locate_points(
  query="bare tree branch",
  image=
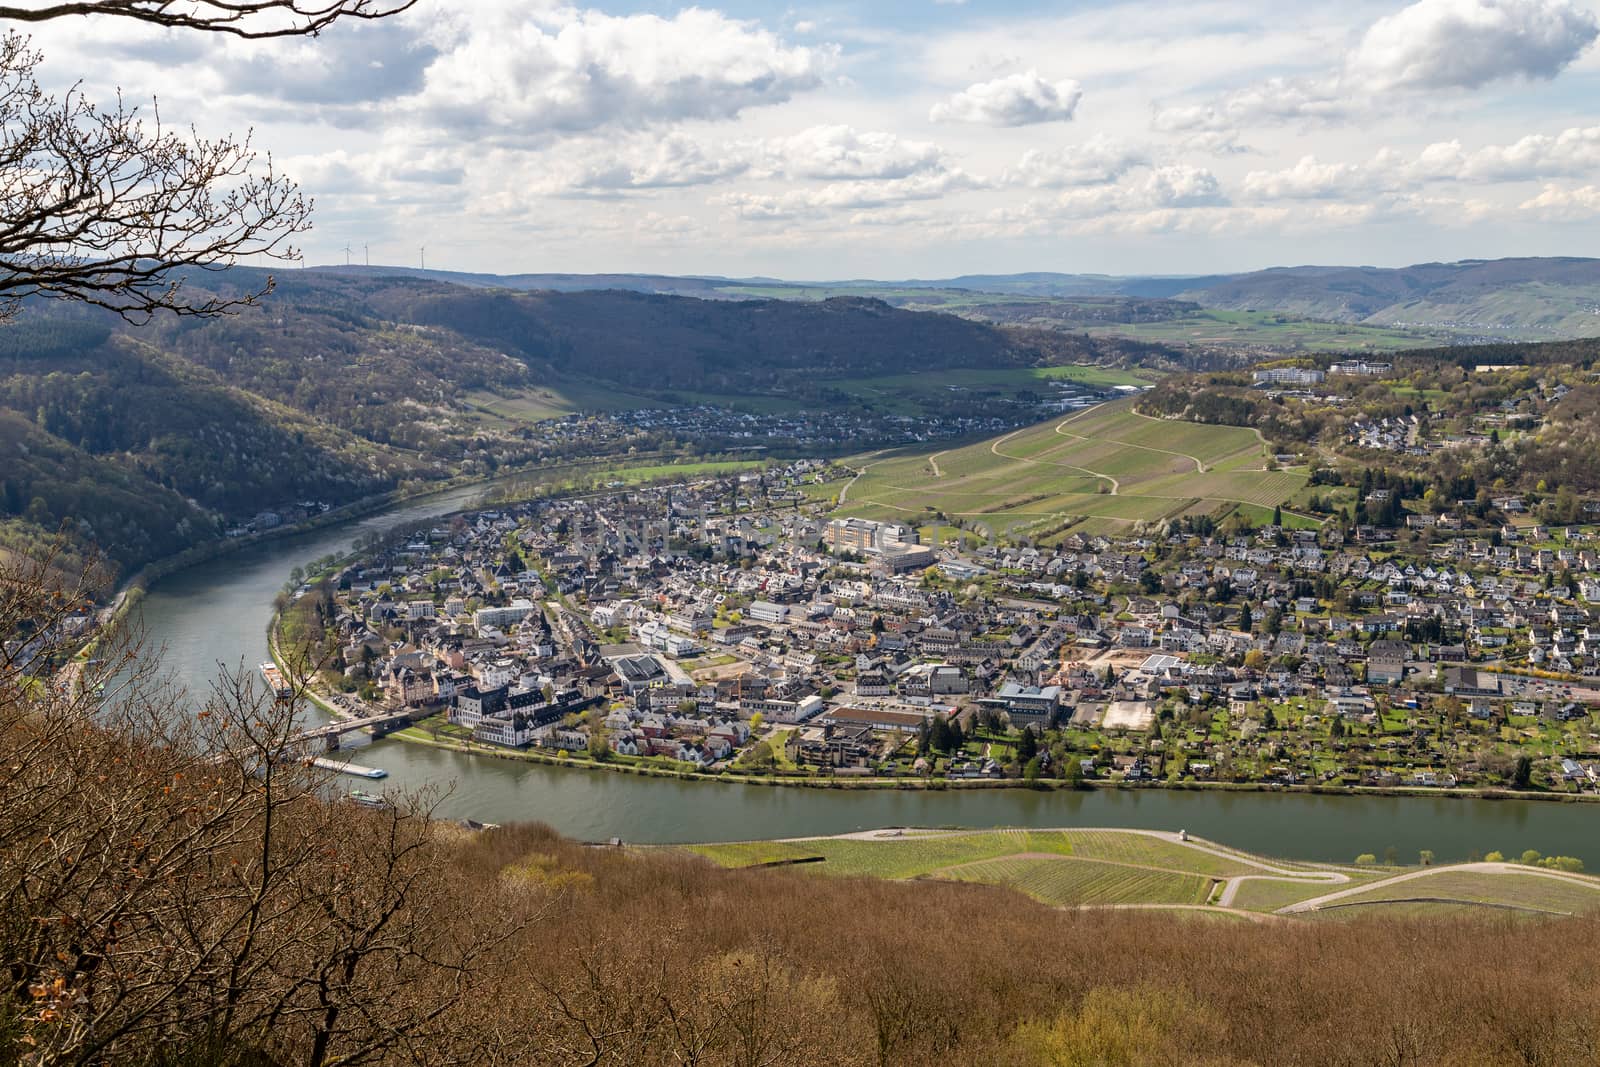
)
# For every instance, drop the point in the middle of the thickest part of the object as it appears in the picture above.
(101, 206)
(252, 19)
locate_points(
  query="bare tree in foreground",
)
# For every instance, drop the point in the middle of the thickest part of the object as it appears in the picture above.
(106, 205)
(242, 18)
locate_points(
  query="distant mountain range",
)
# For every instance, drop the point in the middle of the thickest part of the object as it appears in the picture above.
(1527, 298)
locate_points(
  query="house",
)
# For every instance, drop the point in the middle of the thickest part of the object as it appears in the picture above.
(1386, 662)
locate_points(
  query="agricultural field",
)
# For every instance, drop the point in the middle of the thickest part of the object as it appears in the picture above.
(1079, 882)
(1281, 332)
(1107, 465)
(1096, 868)
(1478, 885)
(910, 856)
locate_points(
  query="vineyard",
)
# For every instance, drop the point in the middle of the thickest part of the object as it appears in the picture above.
(1099, 470)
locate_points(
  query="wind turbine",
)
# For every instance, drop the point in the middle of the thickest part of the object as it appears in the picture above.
(366, 254)
(423, 253)
(347, 253)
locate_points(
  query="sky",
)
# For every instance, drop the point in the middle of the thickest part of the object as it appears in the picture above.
(904, 138)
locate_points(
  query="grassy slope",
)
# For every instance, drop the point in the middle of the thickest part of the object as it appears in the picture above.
(1108, 464)
(1533, 891)
(1079, 882)
(1116, 867)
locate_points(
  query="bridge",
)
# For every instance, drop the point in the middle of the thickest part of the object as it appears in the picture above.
(332, 731)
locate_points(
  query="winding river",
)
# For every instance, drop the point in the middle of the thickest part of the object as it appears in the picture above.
(217, 613)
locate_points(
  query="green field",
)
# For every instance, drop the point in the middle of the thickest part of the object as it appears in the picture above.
(1518, 890)
(1090, 868)
(1108, 464)
(1079, 882)
(1284, 332)
(910, 856)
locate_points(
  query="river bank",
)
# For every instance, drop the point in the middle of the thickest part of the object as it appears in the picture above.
(414, 735)
(218, 614)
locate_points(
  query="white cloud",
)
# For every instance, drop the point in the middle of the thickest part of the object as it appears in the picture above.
(1272, 102)
(1098, 160)
(1572, 153)
(1558, 205)
(1175, 186)
(673, 161)
(1016, 100)
(1465, 44)
(520, 76)
(842, 152)
(1431, 45)
(1308, 179)
(848, 196)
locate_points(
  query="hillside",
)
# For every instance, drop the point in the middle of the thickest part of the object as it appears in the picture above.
(148, 440)
(1100, 471)
(1474, 301)
(1507, 298)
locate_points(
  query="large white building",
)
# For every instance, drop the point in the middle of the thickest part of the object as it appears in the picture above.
(509, 615)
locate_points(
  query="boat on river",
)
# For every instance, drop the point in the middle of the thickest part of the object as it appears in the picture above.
(275, 681)
(367, 800)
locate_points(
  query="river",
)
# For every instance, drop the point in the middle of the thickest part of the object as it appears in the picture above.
(217, 613)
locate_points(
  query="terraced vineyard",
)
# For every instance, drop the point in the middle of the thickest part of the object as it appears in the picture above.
(1077, 882)
(1528, 891)
(1100, 470)
(1144, 850)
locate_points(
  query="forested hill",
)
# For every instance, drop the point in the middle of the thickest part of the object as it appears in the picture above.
(146, 440)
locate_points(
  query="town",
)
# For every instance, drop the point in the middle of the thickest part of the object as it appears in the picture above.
(737, 626)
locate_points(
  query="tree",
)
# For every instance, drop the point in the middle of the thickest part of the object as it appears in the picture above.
(1426, 857)
(1027, 745)
(1522, 776)
(150, 846)
(104, 206)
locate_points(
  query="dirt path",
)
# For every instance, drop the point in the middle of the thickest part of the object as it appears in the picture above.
(845, 492)
(1489, 868)
(1116, 486)
(1200, 468)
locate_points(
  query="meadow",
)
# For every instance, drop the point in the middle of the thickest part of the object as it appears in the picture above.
(1106, 468)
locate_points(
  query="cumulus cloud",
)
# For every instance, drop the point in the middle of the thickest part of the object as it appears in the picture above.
(1308, 179)
(1557, 204)
(1272, 102)
(1016, 100)
(1429, 46)
(1572, 153)
(673, 161)
(843, 152)
(520, 76)
(848, 196)
(1464, 44)
(1098, 160)
(1173, 187)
